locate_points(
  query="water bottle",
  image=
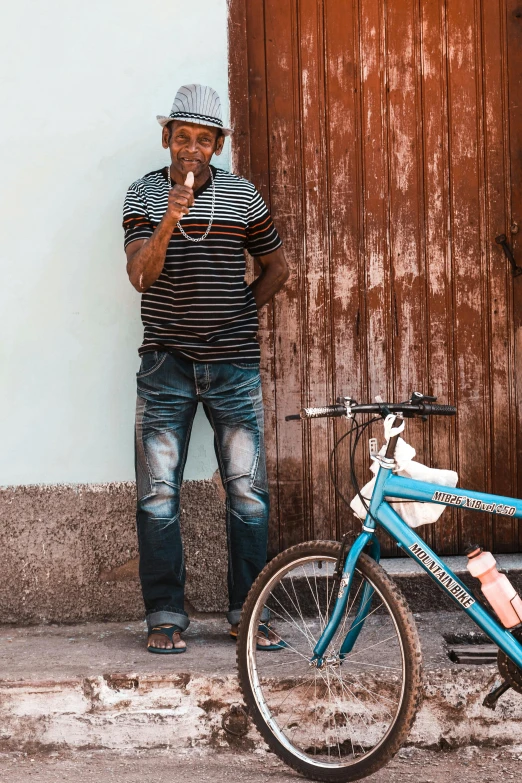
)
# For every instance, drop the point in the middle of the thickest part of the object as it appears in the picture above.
(497, 588)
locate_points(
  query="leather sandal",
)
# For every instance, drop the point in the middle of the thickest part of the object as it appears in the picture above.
(264, 629)
(170, 632)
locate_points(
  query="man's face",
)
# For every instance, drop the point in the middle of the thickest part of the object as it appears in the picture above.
(191, 146)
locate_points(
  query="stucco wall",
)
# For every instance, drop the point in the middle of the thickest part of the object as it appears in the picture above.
(70, 551)
(82, 85)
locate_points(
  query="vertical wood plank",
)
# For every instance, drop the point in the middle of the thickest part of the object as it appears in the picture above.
(283, 119)
(468, 260)
(316, 336)
(405, 210)
(257, 98)
(513, 227)
(343, 121)
(406, 204)
(499, 311)
(374, 196)
(378, 323)
(439, 336)
(259, 173)
(238, 48)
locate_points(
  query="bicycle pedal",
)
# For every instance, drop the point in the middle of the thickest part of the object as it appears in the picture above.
(494, 695)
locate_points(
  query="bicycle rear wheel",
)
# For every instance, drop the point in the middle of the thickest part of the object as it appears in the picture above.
(346, 720)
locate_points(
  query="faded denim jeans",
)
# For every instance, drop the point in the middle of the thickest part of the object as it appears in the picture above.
(169, 389)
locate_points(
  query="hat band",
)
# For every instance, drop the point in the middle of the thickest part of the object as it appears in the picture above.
(185, 114)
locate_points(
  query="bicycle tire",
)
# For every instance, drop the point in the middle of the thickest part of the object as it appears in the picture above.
(412, 663)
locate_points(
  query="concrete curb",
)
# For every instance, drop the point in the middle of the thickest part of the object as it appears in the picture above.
(94, 685)
(120, 711)
(183, 710)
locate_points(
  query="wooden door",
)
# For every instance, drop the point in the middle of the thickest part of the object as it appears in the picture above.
(387, 140)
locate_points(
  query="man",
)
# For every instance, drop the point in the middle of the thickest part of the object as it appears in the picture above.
(186, 229)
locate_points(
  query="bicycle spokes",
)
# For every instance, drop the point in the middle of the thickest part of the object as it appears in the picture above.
(340, 708)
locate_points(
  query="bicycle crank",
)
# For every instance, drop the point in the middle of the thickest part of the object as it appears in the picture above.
(509, 670)
(510, 673)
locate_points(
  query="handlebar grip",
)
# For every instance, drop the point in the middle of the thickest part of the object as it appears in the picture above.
(440, 410)
(326, 411)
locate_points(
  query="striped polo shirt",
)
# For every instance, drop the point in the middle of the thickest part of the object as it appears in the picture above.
(201, 306)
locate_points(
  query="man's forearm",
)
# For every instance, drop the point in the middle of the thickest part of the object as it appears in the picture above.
(269, 282)
(146, 264)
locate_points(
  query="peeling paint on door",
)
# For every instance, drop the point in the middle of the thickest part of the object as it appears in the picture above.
(387, 139)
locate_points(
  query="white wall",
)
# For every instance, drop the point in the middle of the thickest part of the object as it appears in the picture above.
(82, 84)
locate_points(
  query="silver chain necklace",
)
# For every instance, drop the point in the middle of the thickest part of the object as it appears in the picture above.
(205, 235)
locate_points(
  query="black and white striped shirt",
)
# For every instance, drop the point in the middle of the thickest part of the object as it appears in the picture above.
(200, 306)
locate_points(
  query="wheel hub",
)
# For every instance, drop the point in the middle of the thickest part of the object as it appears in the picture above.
(332, 662)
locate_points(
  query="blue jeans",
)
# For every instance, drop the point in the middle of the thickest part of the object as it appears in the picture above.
(169, 389)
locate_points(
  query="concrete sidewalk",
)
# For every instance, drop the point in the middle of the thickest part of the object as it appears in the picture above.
(95, 686)
(469, 765)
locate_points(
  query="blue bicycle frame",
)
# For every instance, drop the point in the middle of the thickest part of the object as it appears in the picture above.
(389, 485)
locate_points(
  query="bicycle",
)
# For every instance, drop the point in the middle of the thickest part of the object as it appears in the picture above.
(339, 698)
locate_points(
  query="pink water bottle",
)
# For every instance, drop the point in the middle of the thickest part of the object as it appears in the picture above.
(497, 588)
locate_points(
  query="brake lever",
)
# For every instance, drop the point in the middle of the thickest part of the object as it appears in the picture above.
(384, 409)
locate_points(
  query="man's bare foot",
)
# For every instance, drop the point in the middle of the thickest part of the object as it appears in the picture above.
(262, 640)
(163, 642)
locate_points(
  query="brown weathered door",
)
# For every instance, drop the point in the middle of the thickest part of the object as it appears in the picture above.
(387, 139)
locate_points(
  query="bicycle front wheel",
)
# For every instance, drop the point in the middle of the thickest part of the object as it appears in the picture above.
(345, 720)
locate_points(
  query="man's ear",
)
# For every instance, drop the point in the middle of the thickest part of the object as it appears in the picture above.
(165, 137)
(219, 145)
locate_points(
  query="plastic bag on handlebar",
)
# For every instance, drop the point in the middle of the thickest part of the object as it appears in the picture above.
(414, 513)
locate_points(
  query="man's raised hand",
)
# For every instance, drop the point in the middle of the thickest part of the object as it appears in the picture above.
(181, 198)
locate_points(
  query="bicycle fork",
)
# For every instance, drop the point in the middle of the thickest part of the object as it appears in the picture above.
(364, 539)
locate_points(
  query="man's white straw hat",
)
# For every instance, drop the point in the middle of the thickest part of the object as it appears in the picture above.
(198, 104)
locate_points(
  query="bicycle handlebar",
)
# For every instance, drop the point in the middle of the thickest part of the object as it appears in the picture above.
(407, 408)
